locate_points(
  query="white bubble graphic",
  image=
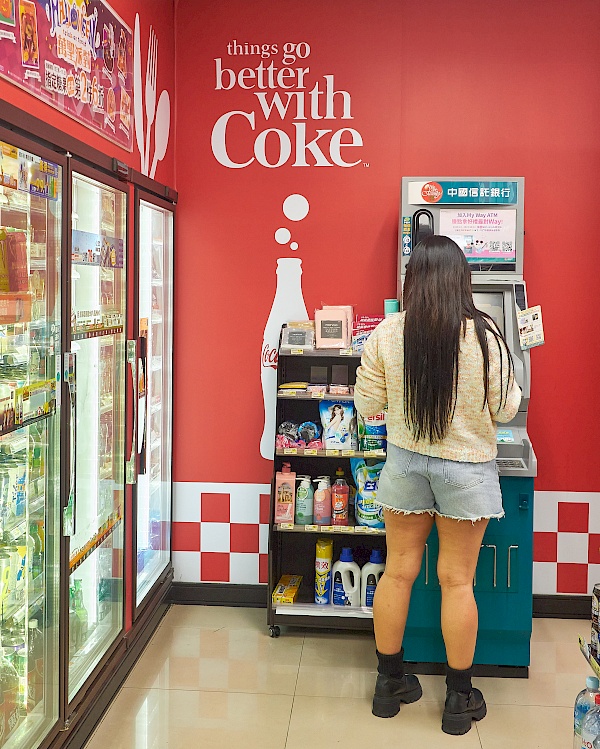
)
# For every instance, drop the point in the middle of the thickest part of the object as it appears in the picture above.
(294, 246)
(295, 207)
(283, 236)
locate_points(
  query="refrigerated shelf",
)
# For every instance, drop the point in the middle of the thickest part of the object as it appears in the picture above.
(79, 335)
(363, 530)
(82, 554)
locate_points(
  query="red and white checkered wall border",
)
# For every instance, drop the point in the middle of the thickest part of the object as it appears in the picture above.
(566, 542)
(221, 533)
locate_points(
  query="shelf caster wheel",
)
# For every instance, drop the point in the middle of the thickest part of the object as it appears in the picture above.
(274, 631)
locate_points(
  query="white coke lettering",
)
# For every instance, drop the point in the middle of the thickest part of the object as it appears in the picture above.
(269, 357)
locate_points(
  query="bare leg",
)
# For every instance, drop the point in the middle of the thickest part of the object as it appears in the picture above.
(460, 541)
(405, 539)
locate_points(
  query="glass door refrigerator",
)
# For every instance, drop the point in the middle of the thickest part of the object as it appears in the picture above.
(154, 314)
(95, 369)
(31, 238)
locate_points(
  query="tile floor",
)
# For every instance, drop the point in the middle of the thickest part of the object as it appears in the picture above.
(212, 677)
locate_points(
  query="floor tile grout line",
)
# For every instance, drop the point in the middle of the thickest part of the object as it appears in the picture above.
(287, 733)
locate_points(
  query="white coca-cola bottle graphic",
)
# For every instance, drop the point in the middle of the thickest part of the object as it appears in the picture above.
(288, 305)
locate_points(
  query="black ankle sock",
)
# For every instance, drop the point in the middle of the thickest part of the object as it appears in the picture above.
(459, 681)
(391, 665)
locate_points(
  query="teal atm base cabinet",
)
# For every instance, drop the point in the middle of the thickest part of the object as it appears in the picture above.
(503, 589)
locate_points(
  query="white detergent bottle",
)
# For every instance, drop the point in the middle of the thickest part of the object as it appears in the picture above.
(369, 577)
(346, 580)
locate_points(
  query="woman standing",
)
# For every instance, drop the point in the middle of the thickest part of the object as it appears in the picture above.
(446, 374)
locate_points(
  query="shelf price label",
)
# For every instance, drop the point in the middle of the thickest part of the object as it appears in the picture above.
(346, 351)
(374, 453)
(297, 351)
(361, 529)
(310, 451)
(290, 451)
(286, 526)
(332, 453)
(311, 528)
(346, 529)
(318, 394)
(349, 453)
(327, 528)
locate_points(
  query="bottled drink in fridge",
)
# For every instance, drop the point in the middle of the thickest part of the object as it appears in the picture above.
(74, 626)
(19, 661)
(590, 729)
(288, 305)
(35, 664)
(37, 559)
(81, 611)
(4, 577)
(9, 686)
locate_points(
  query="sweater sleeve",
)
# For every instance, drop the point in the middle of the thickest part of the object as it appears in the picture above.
(500, 384)
(370, 392)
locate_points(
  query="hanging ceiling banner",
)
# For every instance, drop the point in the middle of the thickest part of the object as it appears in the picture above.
(75, 55)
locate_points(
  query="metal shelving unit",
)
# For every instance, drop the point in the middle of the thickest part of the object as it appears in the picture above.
(292, 547)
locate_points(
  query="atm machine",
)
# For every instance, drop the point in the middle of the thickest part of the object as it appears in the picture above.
(484, 216)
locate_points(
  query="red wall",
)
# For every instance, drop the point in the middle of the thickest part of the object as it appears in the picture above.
(462, 88)
(158, 13)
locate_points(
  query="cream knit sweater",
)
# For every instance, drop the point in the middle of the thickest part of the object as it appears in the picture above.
(472, 433)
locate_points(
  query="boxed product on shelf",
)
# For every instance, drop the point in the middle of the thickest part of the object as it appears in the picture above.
(286, 590)
(14, 268)
(15, 307)
(332, 329)
(298, 335)
(364, 325)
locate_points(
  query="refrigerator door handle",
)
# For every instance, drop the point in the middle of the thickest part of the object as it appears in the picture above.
(142, 403)
(69, 376)
(130, 471)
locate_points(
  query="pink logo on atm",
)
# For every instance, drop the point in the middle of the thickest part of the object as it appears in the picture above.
(432, 192)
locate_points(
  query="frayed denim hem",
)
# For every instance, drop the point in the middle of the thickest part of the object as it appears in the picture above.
(432, 512)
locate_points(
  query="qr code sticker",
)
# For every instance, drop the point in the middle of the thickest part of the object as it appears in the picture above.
(507, 246)
(494, 246)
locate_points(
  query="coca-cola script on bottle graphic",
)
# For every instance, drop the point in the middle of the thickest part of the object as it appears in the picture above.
(288, 305)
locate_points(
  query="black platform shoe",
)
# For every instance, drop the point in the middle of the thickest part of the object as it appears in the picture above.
(391, 692)
(461, 709)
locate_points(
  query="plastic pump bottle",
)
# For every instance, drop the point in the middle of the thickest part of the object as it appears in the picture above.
(583, 703)
(322, 501)
(346, 580)
(304, 502)
(370, 576)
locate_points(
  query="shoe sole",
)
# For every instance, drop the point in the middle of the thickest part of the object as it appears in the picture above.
(457, 725)
(387, 707)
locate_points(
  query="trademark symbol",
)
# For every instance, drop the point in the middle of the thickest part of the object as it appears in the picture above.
(366, 164)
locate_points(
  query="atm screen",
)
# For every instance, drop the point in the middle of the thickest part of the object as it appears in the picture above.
(492, 303)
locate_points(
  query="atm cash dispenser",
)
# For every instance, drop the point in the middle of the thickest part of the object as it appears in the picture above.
(484, 216)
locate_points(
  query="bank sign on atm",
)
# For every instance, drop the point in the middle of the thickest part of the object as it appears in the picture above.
(462, 192)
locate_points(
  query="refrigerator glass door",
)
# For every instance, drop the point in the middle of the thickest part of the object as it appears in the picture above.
(155, 395)
(95, 510)
(30, 365)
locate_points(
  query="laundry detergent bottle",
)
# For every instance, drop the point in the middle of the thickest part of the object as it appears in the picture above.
(322, 501)
(370, 576)
(303, 514)
(346, 580)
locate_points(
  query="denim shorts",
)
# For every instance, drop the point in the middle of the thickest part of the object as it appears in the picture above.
(414, 483)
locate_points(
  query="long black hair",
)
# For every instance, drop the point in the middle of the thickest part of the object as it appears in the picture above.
(438, 300)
